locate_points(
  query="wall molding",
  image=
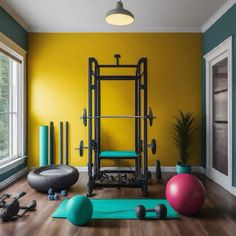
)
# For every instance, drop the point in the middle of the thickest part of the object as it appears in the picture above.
(12, 164)
(195, 169)
(13, 178)
(217, 15)
(143, 29)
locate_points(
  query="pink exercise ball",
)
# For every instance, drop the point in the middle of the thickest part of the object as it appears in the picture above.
(185, 193)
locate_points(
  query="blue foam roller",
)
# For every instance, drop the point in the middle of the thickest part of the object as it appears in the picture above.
(43, 145)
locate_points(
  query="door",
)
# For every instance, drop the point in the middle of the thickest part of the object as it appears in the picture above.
(219, 115)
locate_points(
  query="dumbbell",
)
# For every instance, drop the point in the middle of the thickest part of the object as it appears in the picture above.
(55, 196)
(52, 197)
(64, 193)
(160, 209)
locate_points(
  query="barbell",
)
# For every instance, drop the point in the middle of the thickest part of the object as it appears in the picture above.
(150, 117)
(81, 147)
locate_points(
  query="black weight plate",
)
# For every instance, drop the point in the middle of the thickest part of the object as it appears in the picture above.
(150, 116)
(85, 117)
(153, 146)
(81, 148)
(161, 211)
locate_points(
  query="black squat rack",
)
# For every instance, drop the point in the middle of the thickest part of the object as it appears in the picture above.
(93, 117)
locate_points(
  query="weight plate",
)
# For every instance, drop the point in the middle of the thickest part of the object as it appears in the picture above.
(85, 117)
(81, 148)
(150, 116)
(153, 146)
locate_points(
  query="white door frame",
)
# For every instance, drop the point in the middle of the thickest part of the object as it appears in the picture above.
(223, 50)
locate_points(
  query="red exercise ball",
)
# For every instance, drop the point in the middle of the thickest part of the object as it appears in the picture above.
(185, 193)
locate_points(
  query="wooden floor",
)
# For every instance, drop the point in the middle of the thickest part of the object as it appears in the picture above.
(218, 216)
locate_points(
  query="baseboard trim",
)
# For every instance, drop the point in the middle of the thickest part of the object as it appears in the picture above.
(13, 178)
(195, 169)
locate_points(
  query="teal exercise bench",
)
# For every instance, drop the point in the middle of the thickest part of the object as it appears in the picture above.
(118, 155)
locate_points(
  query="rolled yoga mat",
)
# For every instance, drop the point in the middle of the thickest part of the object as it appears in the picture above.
(119, 209)
(43, 145)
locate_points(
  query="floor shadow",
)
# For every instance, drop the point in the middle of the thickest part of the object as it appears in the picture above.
(216, 213)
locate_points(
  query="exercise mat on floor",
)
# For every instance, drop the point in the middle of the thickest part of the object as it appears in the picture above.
(119, 208)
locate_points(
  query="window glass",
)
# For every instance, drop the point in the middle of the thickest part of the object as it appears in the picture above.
(10, 125)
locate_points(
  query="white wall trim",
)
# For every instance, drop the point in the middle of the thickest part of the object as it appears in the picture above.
(12, 164)
(195, 169)
(13, 178)
(143, 29)
(216, 16)
(219, 49)
(223, 50)
(13, 14)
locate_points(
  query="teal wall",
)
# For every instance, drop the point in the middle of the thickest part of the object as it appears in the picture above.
(217, 33)
(19, 35)
(12, 29)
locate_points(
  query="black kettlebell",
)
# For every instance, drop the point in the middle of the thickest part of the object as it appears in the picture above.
(9, 209)
(160, 209)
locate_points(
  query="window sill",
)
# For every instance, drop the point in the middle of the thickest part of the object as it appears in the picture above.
(12, 164)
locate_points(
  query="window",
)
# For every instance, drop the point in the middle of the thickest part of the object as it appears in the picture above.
(11, 105)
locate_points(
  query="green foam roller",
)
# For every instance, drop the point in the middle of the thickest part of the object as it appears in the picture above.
(43, 145)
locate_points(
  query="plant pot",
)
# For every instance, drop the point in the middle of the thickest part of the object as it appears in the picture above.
(186, 169)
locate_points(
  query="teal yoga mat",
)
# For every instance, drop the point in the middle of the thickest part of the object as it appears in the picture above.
(43, 145)
(118, 208)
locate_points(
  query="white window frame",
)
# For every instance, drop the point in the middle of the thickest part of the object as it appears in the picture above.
(13, 161)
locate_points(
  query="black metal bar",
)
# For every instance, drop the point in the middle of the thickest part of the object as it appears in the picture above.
(136, 122)
(51, 147)
(61, 142)
(67, 144)
(117, 66)
(117, 57)
(118, 171)
(96, 114)
(90, 130)
(122, 185)
(117, 158)
(117, 77)
(118, 116)
(145, 108)
(99, 120)
(139, 128)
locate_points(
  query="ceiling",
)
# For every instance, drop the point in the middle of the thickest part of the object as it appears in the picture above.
(88, 15)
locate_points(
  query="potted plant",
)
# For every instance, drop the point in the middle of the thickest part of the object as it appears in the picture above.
(183, 139)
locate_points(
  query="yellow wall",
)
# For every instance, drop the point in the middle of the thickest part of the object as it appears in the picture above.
(57, 87)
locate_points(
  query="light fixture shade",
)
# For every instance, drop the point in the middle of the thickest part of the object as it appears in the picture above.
(119, 16)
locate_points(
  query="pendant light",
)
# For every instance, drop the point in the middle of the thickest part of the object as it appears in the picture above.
(119, 15)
